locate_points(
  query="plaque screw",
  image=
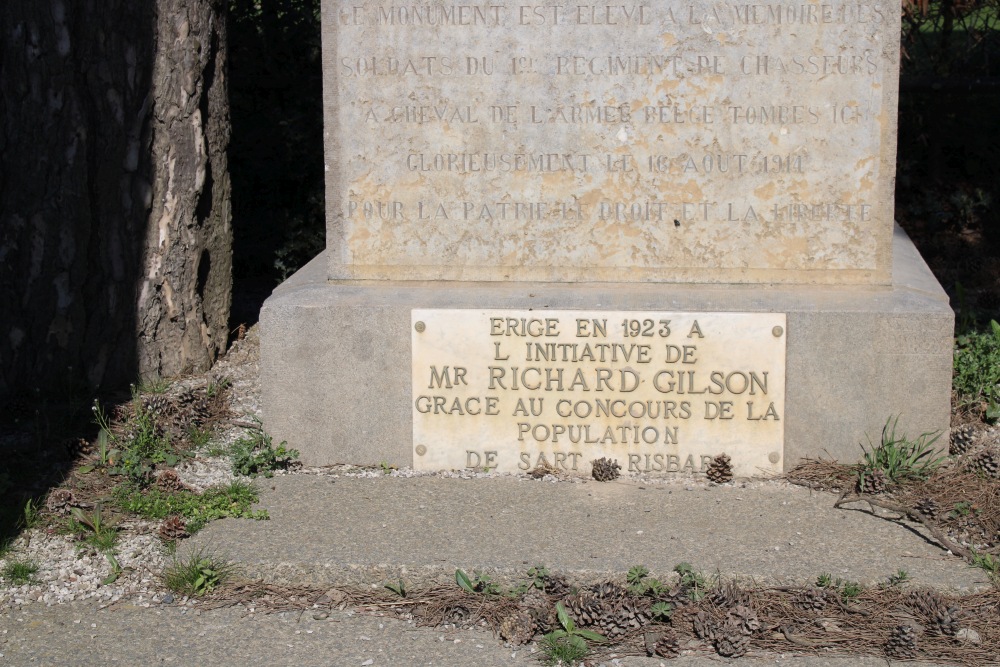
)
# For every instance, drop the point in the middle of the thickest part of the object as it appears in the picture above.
(421, 450)
(420, 327)
(777, 331)
(774, 457)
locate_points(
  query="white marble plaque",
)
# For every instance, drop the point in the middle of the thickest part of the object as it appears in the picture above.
(660, 392)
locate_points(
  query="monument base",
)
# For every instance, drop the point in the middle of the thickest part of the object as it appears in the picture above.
(336, 355)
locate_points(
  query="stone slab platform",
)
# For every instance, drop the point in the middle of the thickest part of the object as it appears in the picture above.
(85, 635)
(336, 358)
(362, 531)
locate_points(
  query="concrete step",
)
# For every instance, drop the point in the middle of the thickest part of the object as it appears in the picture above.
(330, 530)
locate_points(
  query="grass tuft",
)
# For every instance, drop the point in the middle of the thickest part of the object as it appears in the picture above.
(19, 572)
(234, 500)
(198, 574)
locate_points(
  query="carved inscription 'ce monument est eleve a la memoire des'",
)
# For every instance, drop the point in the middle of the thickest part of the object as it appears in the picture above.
(694, 141)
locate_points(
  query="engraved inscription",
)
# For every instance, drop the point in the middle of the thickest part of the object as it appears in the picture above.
(661, 392)
(628, 141)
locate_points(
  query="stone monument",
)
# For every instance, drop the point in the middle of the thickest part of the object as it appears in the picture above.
(653, 231)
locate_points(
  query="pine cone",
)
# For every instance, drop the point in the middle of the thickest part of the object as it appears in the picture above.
(731, 641)
(932, 608)
(458, 614)
(76, 447)
(605, 470)
(585, 607)
(676, 596)
(173, 529)
(185, 398)
(720, 470)
(728, 595)
(667, 646)
(201, 411)
(873, 482)
(168, 480)
(986, 463)
(61, 501)
(928, 507)
(744, 618)
(608, 590)
(543, 469)
(811, 599)
(518, 628)
(621, 617)
(704, 626)
(157, 405)
(542, 611)
(556, 584)
(902, 642)
(962, 439)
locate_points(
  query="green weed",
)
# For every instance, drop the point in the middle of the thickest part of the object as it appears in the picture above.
(233, 500)
(898, 579)
(568, 644)
(989, 564)
(977, 370)
(134, 454)
(478, 583)
(848, 590)
(692, 580)
(217, 386)
(31, 515)
(93, 529)
(197, 575)
(639, 582)
(153, 384)
(962, 508)
(899, 458)
(255, 455)
(200, 438)
(397, 588)
(19, 572)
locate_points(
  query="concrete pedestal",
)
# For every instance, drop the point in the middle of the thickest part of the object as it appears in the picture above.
(335, 355)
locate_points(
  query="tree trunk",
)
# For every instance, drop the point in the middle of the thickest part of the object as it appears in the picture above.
(186, 287)
(115, 248)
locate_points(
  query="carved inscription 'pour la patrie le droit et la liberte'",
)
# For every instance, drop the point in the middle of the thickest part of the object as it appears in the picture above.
(696, 141)
(660, 392)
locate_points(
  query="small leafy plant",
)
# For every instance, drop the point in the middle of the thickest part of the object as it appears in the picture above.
(898, 579)
(397, 588)
(134, 453)
(989, 564)
(255, 454)
(692, 580)
(197, 575)
(233, 500)
(899, 458)
(640, 583)
(31, 515)
(977, 370)
(962, 508)
(568, 644)
(478, 583)
(93, 529)
(19, 572)
(848, 590)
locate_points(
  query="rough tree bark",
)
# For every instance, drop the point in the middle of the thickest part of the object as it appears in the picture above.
(115, 239)
(186, 291)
